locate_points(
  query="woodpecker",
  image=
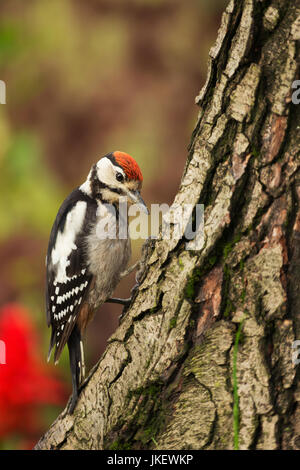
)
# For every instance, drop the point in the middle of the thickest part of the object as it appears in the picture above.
(83, 269)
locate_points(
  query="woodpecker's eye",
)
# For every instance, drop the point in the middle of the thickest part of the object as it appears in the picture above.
(119, 177)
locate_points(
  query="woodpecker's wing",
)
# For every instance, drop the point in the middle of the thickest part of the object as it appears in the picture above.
(68, 276)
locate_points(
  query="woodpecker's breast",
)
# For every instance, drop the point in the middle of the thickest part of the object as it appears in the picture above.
(107, 257)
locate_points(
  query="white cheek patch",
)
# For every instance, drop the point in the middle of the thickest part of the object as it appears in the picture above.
(106, 172)
(65, 241)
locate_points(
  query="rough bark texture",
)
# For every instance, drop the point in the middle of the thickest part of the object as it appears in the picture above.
(171, 373)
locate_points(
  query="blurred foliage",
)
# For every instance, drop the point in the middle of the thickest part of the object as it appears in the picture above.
(26, 188)
(84, 78)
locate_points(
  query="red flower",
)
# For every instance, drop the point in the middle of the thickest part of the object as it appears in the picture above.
(26, 381)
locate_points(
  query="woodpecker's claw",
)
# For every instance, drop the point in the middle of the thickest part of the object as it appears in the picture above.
(124, 302)
(116, 300)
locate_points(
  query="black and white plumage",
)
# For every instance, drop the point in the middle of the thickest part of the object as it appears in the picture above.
(83, 269)
(68, 276)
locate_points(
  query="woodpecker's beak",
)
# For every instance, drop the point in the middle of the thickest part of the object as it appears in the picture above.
(136, 198)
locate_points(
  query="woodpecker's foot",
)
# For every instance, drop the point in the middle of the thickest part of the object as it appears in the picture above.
(125, 302)
(116, 300)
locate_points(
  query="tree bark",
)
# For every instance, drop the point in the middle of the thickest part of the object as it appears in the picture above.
(203, 356)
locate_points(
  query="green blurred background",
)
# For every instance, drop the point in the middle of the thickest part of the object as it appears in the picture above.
(83, 78)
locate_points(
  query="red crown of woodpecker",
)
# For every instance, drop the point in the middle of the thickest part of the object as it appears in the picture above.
(129, 165)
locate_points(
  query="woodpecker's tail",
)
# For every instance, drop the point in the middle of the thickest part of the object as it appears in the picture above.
(76, 363)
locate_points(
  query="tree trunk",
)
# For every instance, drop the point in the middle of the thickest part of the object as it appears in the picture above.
(203, 356)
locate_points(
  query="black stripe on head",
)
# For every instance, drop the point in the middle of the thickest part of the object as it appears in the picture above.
(97, 185)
